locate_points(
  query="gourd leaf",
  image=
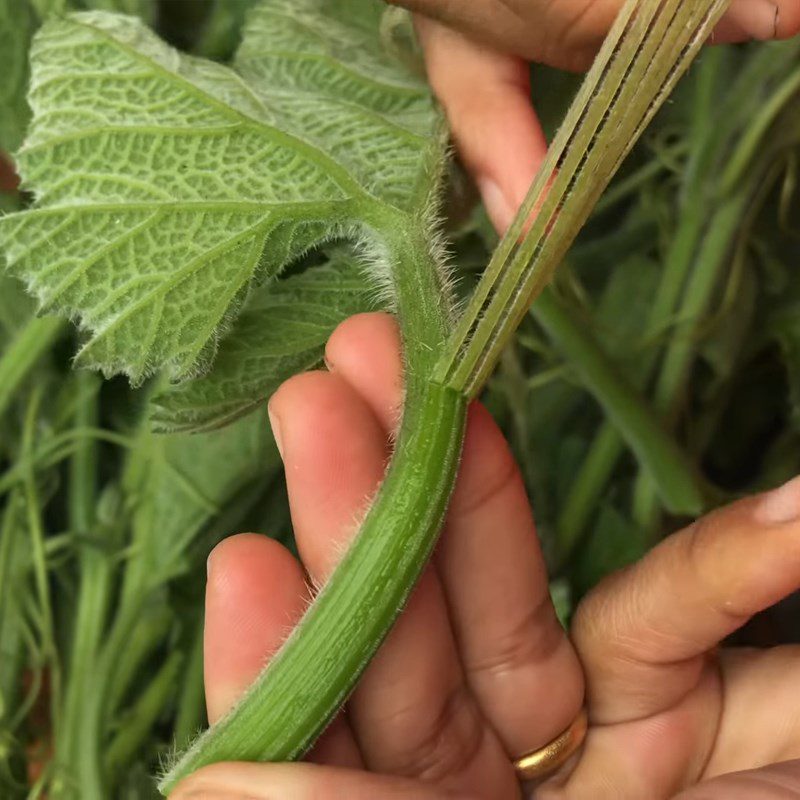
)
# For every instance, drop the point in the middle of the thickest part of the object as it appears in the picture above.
(176, 484)
(282, 331)
(169, 186)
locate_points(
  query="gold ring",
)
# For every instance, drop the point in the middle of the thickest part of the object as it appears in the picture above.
(548, 759)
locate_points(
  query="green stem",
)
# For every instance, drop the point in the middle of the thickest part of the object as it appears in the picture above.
(646, 51)
(714, 256)
(328, 650)
(13, 564)
(312, 674)
(191, 703)
(671, 470)
(136, 725)
(73, 751)
(587, 488)
(24, 352)
(708, 142)
(49, 649)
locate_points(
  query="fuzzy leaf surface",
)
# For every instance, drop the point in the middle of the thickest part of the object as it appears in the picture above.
(168, 186)
(282, 331)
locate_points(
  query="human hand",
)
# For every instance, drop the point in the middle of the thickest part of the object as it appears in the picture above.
(477, 670)
(476, 55)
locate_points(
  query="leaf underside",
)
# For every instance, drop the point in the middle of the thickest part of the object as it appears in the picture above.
(168, 186)
(282, 331)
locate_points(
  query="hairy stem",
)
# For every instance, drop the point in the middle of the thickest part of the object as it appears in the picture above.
(647, 50)
(312, 674)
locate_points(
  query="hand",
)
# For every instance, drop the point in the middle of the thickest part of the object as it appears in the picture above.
(478, 670)
(476, 52)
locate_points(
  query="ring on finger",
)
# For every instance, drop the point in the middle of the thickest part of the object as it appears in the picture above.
(546, 760)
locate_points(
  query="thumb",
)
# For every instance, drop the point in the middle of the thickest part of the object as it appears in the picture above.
(235, 781)
(774, 782)
(486, 96)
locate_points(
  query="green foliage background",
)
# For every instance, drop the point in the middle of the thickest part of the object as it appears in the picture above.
(106, 524)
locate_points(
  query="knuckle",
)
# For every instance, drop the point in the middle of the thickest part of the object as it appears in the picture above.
(447, 744)
(532, 639)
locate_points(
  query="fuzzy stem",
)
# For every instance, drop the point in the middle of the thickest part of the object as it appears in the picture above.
(649, 47)
(315, 670)
(312, 674)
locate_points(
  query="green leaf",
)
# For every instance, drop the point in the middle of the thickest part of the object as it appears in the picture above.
(17, 24)
(614, 543)
(222, 29)
(145, 9)
(168, 185)
(176, 484)
(282, 331)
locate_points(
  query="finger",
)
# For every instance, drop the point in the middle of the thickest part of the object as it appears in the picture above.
(301, 782)
(643, 632)
(761, 700)
(365, 351)
(512, 647)
(774, 782)
(567, 34)
(410, 714)
(759, 19)
(256, 593)
(486, 96)
(518, 660)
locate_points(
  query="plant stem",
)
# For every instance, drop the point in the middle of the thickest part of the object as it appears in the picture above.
(24, 351)
(757, 163)
(710, 142)
(136, 725)
(13, 564)
(73, 751)
(671, 470)
(190, 714)
(632, 75)
(33, 506)
(312, 674)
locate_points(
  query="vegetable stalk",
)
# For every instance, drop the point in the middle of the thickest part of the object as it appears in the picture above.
(312, 674)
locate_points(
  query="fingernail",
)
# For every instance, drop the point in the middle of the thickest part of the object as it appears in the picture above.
(761, 19)
(275, 424)
(212, 794)
(780, 505)
(497, 206)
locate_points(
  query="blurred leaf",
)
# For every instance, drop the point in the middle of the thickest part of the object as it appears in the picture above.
(613, 543)
(222, 29)
(177, 483)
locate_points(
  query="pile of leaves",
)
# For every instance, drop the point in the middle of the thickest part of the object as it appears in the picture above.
(188, 209)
